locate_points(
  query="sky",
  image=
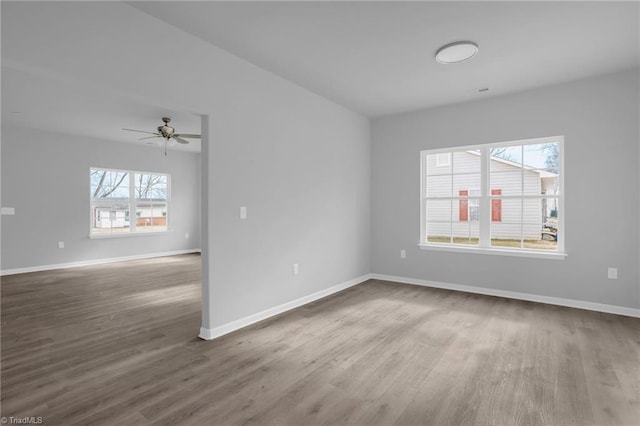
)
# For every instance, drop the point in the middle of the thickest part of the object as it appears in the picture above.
(534, 155)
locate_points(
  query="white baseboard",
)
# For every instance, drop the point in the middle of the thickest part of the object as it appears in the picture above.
(212, 333)
(94, 262)
(590, 306)
(206, 334)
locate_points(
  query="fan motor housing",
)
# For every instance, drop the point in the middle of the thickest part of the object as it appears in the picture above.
(166, 131)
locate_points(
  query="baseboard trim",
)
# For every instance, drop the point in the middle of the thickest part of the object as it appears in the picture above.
(571, 303)
(212, 333)
(94, 262)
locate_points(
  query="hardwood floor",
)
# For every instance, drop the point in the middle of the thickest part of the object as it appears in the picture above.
(117, 345)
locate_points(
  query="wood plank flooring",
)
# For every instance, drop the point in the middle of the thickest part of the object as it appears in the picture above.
(116, 345)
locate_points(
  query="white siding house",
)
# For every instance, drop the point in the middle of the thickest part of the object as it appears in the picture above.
(458, 174)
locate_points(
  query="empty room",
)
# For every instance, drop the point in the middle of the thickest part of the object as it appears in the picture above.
(320, 212)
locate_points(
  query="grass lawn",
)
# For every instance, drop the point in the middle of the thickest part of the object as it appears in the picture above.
(531, 244)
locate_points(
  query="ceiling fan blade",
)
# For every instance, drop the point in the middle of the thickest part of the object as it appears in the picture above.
(149, 137)
(188, 135)
(142, 131)
(179, 139)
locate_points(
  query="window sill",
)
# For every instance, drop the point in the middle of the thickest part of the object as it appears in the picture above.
(127, 234)
(494, 251)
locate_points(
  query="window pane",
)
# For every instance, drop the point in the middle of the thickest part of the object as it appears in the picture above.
(548, 238)
(507, 156)
(468, 182)
(505, 170)
(439, 221)
(439, 186)
(466, 229)
(121, 192)
(466, 162)
(111, 201)
(151, 217)
(509, 182)
(150, 186)
(542, 156)
(532, 182)
(107, 219)
(523, 190)
(506, 232)
(151, 202)
(435, 165)
(109, 184)
(549, 182)
(543, 161)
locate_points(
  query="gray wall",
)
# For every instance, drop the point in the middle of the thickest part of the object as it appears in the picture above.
(300, 163)
(45, 177)
(302, 169)
(599, 119)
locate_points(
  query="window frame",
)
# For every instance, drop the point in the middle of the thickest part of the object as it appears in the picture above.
(132, 232)
(486, 199)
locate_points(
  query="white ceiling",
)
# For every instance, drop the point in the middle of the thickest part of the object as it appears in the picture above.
(59, 105)
(377, 58)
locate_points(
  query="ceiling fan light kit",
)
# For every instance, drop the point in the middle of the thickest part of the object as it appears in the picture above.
(167, 133)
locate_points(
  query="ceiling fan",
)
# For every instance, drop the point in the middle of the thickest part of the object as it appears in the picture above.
(167, 133)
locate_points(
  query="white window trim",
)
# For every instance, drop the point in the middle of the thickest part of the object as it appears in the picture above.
(129, 234)
(132, 232)
(484, 243)
(459, 248)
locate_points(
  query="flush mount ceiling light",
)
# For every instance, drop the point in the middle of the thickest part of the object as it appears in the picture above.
(459, 51)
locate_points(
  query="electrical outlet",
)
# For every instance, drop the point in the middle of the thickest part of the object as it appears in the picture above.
(60, 244)
(243, 212)
(612, 273)
(403, 254)
(186, 235)
(296, 269)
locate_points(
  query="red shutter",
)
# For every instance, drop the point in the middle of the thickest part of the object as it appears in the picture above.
(464, 206)
(496, 206)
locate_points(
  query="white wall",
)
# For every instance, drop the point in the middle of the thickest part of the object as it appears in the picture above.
(300, 163)
(45, 177)
(599, 119)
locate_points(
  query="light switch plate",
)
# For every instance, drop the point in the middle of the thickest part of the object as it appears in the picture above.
(8, 211)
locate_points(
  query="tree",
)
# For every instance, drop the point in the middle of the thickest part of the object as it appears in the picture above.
(552, 150)
(149, 185)
(106, 182)
(502, 153)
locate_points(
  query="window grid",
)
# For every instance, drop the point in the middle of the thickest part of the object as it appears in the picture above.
(128, 209)
(489, 214)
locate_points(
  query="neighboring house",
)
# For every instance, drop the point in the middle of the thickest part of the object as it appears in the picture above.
(107, 218)
(461, 177)
(149, 212)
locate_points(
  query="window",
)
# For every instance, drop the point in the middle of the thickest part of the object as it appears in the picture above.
(115, 194)
(503, 197)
